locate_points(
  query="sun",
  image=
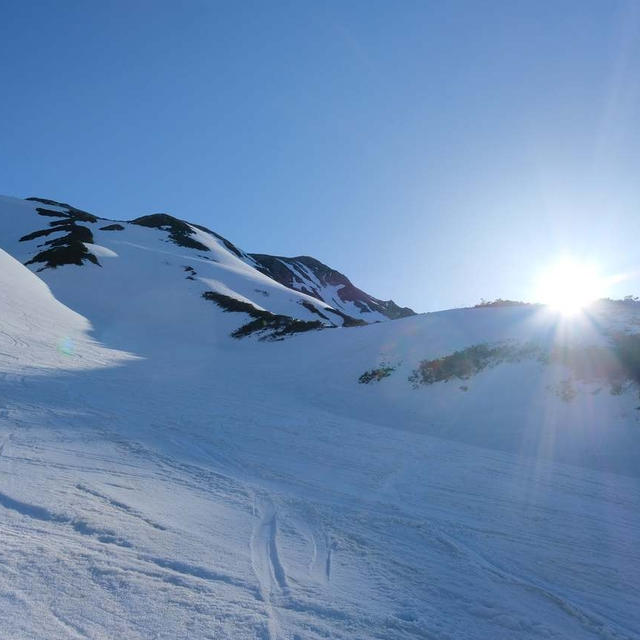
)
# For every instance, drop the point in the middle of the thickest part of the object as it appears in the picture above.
(569, 286)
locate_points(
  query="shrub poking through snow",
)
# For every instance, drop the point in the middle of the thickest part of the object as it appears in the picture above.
(467, 362)
(274, 327)
(626, 348)
(375, 375)
(499, 302)
(277, 327)
(618, 364)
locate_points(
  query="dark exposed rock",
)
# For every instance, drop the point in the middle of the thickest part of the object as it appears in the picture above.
(77, 214)
(347, 320)
(314, 309)
(62, 225)
(224, 241)
(274, 327)
(68, 248)
(70, 253)
(112, 227)
(179, 231)
(53, 203)
(308, 275)
(72, 214)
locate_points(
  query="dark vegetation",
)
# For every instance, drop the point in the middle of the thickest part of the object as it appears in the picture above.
(112, 227)
(179, 231)
(68, 248)
(375, 375)
(618, 363)
(499, 302)
(313, 309)
(275, 327)
(232, 305)
(467, 362)
(278, 326)
(348, 321)
(626, 348)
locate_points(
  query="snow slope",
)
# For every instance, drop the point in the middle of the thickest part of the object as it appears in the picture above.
(159, 479)
(38, 333)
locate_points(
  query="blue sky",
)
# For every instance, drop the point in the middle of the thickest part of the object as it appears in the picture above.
(435, 152)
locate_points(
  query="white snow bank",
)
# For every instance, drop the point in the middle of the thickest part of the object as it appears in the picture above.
(99, 251)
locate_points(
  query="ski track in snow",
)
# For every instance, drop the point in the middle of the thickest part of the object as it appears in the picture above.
(3, 444)
(267, 566)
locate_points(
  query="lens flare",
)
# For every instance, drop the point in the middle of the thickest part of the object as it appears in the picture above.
(66, 346)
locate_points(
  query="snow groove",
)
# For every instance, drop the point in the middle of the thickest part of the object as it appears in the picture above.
(195, 571)
(120, 506)
(3, 444)
(43, 514)
(267, 566)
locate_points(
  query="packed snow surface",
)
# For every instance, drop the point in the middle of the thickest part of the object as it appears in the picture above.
(159, 479)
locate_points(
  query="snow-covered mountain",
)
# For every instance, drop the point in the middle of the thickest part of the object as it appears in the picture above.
(46, 234)
(466, 474)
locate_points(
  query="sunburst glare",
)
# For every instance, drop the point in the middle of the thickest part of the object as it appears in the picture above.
(569, 286)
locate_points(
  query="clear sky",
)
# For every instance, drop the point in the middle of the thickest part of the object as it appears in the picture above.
(436, 152)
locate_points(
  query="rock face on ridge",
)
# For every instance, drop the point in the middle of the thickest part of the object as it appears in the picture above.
(310, 276)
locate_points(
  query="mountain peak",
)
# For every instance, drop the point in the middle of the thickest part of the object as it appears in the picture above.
(309, 275)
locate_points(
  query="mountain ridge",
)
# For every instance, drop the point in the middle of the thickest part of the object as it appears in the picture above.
(305, 274)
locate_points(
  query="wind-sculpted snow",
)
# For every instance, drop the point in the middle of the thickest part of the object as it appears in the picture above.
(159, 479)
